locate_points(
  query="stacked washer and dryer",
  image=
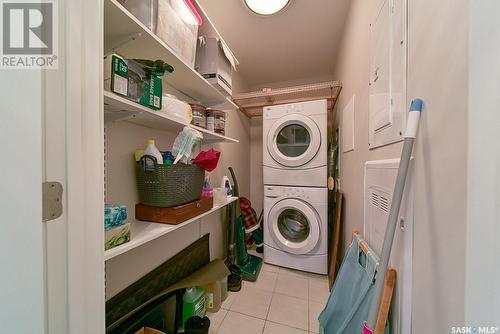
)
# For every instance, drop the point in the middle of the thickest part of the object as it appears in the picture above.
(295, 186)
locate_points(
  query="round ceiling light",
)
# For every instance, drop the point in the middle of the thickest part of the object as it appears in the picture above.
(266, 7)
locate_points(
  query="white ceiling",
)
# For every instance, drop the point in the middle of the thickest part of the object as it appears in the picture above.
(300, 42)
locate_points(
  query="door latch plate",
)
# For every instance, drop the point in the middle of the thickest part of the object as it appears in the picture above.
(52, 200)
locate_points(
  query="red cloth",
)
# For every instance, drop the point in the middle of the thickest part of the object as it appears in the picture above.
(207, 160)
(248, 212)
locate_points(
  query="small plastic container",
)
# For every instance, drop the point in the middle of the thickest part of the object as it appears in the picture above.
(213, 297)
(199, 115)
(220, 196)
(219, 122)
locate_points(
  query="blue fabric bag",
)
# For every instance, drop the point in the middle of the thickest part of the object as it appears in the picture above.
(347, 306)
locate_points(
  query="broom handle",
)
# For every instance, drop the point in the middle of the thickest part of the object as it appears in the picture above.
(411, 132)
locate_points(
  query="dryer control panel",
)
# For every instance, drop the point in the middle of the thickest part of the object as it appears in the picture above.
(317, 107)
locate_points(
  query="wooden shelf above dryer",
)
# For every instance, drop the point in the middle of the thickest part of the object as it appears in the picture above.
(251, 104)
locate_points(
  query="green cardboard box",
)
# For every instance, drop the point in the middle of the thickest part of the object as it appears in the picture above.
(127, 77)
(116, 74)
(144, 88)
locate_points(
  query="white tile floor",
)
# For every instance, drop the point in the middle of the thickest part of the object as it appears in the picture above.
(282, 301)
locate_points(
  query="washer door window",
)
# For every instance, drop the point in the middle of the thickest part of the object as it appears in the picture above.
(294, 140)
(294, 226)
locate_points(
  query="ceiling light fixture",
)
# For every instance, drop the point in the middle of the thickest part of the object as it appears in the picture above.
(266, 7)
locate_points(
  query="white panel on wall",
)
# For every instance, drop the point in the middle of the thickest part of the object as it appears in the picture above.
(380, 177)
(380, 115)
(387, 73)
(348, 126)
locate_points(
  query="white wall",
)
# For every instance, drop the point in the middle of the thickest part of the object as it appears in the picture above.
(437, 72)
(482, 306)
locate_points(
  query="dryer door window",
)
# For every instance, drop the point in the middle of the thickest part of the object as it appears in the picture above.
(293, 140)
(294, 225)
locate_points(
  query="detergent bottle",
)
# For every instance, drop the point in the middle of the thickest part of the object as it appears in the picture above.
(193, 303)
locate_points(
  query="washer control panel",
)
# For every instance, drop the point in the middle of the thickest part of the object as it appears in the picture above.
(285, 192)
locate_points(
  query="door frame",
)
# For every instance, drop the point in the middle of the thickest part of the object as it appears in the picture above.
(84, 25)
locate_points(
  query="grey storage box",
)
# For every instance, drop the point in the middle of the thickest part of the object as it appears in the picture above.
(213, 64)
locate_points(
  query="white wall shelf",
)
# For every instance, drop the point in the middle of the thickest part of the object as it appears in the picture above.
(147, 231)
(126, 35)
(118, 108)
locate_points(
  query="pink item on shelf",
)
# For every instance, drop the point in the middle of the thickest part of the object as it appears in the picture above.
(194, 11)
(207, 192)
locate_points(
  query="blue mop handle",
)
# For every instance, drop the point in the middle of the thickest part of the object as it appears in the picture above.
(409, 137)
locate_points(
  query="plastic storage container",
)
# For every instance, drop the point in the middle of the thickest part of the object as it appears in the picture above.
(176, 108)
(213, 298)
(177, 26)
(219, 122)
(199, 115)
(145, 11)
(193, 303)
(220, 196)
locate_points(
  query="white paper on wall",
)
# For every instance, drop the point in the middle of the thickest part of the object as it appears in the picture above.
(348, 126)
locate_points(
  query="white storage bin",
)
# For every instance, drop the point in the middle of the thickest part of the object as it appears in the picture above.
(178, 26)
(213, 64)
(177, 108)
(145, 11)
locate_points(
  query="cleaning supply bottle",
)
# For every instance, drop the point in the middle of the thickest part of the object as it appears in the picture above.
(153, 151)
(193, 303)
(213, 297)
(223, 289)
(225, 183)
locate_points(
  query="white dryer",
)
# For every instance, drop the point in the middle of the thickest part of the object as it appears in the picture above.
(296, 227)
(295, 144)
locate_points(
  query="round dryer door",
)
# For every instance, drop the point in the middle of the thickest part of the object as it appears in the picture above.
(294, 226)
(293, 140)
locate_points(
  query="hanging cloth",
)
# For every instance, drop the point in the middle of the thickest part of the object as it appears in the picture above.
(348, 304)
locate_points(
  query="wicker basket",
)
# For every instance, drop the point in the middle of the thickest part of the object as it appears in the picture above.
(168, 186)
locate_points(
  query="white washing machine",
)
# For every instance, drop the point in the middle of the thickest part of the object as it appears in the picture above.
(296, 227)
(295, 144)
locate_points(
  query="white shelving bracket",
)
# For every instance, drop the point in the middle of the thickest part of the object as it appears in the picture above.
(111, 46)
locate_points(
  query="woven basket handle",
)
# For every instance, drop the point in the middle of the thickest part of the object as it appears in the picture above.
(143, 162)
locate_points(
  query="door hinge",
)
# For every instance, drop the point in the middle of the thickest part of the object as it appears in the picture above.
(52, 200)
